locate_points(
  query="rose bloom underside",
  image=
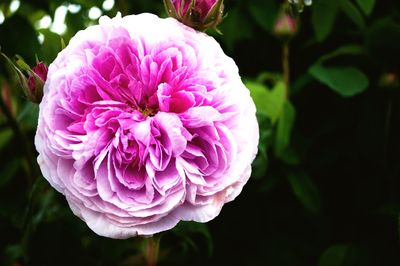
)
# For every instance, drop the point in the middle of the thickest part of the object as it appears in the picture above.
(144, 123)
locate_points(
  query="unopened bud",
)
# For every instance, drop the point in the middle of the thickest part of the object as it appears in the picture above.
(37, 78)
(30, 80)
(198, 14)
(389, 80)
(285, 26)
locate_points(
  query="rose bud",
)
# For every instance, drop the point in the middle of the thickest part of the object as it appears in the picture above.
(37, 78)
(30, 80)
(285, 26)
(389, 80)
(198, 14)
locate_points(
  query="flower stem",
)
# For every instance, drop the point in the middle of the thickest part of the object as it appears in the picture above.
(151, 250)
(286, 67)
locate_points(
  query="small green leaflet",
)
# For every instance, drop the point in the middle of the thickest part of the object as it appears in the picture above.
(268, 102)
(346, 81)
(367, 6)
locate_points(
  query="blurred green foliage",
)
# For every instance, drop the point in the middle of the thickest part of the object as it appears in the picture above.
(325, 188)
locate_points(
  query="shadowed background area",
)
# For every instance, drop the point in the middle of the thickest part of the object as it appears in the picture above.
(325, 188)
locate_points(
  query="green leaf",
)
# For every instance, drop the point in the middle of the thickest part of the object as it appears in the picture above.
(28, 116)
(170, 8)
(5, 137)
(21, 63)
(346, 81)
(366, 6)
(15, 70)
(306, 191)
(284, 128)
(349, 49)
(63, 45)
(334, 256)
(301, 82)
(323, 18)
(268, 102)
(352, 13)
(260, 166)
(264, 12)
(290, 157)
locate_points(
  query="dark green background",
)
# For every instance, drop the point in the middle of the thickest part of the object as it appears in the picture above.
(330, 196)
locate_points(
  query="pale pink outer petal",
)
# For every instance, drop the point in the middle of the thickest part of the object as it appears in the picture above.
(240, 173)
(102, 226)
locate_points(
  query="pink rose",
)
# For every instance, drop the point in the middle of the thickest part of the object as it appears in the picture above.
(144, 123)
